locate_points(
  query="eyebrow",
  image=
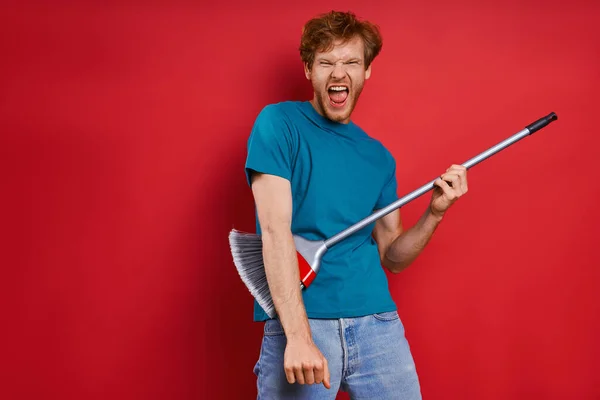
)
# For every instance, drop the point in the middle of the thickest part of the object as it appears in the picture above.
(329, 60)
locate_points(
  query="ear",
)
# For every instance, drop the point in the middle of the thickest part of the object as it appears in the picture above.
(306, 71)
(368, 72)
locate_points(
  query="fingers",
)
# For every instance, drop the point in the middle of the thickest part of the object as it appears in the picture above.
(294, 373)
(453, 180)
(461, 171)
(290, 374)
(319, 372)
(304, 374)
(299, 373)
(326, 375)
(306, 365)
(309, 375)
(452, 184)
(456, 176)
(442, 184)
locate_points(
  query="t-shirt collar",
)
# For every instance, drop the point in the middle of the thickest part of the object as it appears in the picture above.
(348, 129)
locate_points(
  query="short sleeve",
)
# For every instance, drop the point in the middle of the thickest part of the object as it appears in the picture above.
(270, 145)
(389, 192)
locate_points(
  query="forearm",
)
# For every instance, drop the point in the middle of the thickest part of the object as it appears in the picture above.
(281, 267)
(407, 246)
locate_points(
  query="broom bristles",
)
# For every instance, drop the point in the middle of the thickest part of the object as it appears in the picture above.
(246, 249)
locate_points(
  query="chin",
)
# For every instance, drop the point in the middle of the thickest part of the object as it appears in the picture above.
(337, 114)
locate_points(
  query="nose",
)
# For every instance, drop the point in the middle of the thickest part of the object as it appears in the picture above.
(338, 71)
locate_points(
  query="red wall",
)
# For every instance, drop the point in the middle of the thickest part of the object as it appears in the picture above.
(123, 140)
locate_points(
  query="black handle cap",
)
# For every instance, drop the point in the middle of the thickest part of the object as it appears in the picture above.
(542, 122)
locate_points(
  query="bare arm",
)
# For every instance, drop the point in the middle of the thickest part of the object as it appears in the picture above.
(273, 199)
(399, 248)
(303, 362)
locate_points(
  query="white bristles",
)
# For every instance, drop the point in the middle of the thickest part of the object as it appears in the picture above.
(246, 249)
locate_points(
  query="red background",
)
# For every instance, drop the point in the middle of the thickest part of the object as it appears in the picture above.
(124, 128)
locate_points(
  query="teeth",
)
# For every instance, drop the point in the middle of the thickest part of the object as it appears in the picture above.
(338, 88)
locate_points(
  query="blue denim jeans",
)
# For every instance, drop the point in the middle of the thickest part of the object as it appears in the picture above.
(369, 357)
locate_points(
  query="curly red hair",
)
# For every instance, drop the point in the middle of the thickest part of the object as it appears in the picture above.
(319, 33)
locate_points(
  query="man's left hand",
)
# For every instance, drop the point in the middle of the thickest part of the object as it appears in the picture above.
(449, 187)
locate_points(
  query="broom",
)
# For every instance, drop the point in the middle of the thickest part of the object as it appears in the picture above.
(246, 248)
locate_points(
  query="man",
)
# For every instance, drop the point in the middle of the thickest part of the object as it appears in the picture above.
(314, 172)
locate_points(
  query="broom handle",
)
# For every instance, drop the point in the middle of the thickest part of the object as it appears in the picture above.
(530, 129)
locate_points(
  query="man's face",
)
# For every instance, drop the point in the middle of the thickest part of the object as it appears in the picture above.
(338, 77)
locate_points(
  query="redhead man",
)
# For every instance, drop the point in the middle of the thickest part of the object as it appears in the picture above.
(314, 172)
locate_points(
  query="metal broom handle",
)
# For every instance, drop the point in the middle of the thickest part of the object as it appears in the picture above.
(530, 129)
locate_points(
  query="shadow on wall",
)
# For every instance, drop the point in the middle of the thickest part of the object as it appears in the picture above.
(230, 332)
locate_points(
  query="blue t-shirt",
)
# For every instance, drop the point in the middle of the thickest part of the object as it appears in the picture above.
(339, 175)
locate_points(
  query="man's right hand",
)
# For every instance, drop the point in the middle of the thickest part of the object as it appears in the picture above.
(304, 363)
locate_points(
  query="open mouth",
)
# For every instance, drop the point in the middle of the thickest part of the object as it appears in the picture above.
(338, 95)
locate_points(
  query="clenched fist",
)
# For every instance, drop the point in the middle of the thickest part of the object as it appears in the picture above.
(304, 363)
(449, 187)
